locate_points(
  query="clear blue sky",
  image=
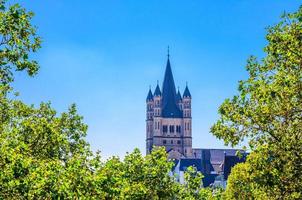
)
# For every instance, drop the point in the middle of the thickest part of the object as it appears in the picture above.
(103, 55)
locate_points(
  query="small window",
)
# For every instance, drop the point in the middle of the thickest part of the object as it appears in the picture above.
(171, 141)
(157, 125)
(171, 129)
(165, 129)
(164, 141)
(178, 129)
(178, 142)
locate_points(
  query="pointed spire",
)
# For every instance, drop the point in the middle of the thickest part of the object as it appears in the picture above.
(150, 95)
(157, 91)
(187, 91)
(170, 108)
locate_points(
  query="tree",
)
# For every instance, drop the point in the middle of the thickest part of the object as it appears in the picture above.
(137, 177)
(241, 185)
(268, 112)
(40, 151)
(18, 40)
(44, 154)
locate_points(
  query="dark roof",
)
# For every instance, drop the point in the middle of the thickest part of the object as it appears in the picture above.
(149, 96)
(231, 161)
(178, 97)
(157, 91)
(187, 92)
(213, 163)
(187, 162)
(202, 166)
(175, 162)
(208, 179)
(170, 108)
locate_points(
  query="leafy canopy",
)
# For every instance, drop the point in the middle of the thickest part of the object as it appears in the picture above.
(18, 40)
(268, 113)
(44, 154)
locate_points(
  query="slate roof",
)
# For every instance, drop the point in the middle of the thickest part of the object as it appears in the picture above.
(178, 97)
(170, 108)
(231, 161)
(213, 163)
(157, 91)
(175, 163)
(187, 92)
(149, 96)
(186, 162)
(208, 179)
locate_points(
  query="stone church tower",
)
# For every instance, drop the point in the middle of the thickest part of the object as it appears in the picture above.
(168, 120)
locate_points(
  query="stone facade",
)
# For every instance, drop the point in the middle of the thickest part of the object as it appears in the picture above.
(169, 124)
(168, 118)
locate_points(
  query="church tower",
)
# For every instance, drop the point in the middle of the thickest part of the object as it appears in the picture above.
(169, 121)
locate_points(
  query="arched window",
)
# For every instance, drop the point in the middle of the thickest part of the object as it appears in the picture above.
(165, 129)
(178, 129)
(171, 129)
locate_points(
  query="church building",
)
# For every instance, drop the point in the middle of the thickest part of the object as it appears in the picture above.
(169, 124)
(168, 120)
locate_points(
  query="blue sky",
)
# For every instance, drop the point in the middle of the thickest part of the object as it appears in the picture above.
(103, 55)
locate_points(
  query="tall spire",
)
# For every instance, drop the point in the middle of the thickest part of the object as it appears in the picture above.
(170, 108)
(157, 91)
(150, 95)
(187, 91)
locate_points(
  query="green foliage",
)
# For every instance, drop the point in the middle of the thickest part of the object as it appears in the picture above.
(268, 112)
(18, 40)
(40, 149)
(192, 188)
(137, 177)
(44, 155)
(241, 185)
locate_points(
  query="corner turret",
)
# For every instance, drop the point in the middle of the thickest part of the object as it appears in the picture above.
(157, 91)
(149, 96)
(187, 93)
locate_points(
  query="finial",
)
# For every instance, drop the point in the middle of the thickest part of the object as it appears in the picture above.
(178, 88)
(186, 83)
(168, 52)
(157, 82)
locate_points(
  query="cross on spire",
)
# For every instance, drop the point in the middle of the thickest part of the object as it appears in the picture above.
(168, 52)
